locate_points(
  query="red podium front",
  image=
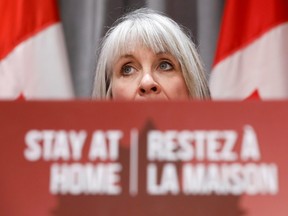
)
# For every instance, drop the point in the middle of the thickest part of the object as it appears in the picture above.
(143, 158)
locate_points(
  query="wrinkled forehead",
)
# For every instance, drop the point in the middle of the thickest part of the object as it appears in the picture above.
(132, 35)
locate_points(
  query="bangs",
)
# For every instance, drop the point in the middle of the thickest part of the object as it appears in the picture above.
(129, 35)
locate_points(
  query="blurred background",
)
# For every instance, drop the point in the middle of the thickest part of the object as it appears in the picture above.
(85, 22)
(48, 48)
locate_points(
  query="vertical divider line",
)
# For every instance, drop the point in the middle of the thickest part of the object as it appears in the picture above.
(133, 177)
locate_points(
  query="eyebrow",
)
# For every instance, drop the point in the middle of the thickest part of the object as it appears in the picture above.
(126, 56)
(158, 54)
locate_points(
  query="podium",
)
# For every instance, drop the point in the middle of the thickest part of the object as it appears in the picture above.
(143, 158)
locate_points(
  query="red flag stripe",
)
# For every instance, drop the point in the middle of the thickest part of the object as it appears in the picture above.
(244, 22)
(261, 66)
(15, 14)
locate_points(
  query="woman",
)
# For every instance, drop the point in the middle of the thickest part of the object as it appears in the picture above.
(146, 55)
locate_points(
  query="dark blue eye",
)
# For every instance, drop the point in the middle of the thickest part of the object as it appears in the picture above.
(166, 66)
(127, 70)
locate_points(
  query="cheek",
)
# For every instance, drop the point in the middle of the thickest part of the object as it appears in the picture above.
(123, 90)
(177, 89)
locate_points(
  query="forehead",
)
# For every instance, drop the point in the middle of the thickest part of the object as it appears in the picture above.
(129, 36)
(141, 50)
(132, 43)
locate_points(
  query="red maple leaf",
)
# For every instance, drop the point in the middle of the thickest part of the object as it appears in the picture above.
(254, 96)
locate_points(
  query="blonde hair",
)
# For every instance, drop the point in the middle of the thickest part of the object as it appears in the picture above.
(158, 33)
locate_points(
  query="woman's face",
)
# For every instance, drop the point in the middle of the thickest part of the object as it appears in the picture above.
(144, 75)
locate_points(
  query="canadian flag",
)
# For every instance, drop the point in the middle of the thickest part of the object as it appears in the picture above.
(252, 54)
(33, 60)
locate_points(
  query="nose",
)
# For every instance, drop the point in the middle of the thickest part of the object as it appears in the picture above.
(148, 85)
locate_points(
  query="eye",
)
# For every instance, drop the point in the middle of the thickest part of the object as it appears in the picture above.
(165, 66)
(127, 70)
